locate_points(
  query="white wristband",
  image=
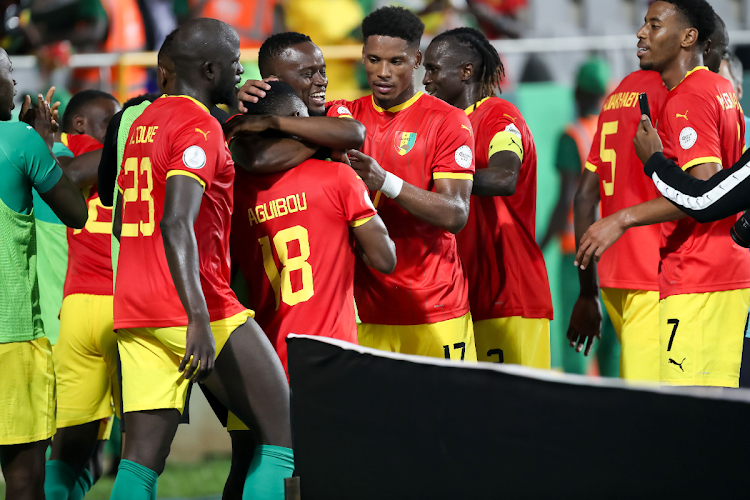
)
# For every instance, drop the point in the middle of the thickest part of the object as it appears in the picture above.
(392, 185)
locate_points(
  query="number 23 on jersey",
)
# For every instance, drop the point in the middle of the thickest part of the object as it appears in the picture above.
(140, 192)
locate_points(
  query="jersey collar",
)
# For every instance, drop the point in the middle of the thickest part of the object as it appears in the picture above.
(400, 107)
(200, 104)
(474, 106)
(697, 68)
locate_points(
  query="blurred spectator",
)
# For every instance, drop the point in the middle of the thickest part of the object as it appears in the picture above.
(731, 68)
(498, 18)
(159, 19)
(254, 20)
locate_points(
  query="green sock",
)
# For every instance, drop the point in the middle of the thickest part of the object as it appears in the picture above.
(265, 479)
(59, 480)
(83, 485)
(134, 482)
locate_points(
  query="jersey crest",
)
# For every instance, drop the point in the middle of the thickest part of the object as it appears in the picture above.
(404, 141)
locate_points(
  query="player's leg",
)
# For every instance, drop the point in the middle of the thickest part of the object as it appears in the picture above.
(244, 443)
(23, 470)
(514, 340)
(639, 331)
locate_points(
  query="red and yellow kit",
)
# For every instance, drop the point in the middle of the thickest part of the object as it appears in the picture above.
(420, 140)
(702, 122)
(504, 265)
(291, 239)
(175, 135)
(89, 249)
(632, 262)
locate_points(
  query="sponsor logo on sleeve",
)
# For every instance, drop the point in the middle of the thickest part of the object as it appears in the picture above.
(464, 156)
(688, 137)
(194, 157)
(343, 110)
(513, 130)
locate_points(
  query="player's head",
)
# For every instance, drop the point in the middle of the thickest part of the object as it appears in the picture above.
(391, 51)
(731, 68)
(674, 29)
(7, 87)
(716, 46)
(460, 58)
(165, 65)
(206, 55)
(281, 100)
(293, 58)
(89, 112)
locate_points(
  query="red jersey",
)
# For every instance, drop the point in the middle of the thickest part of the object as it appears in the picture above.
(89, 249)
(291, 239)
(505, 267)
(175, 135)
(702, 122)
(421, 140)
(633, 262)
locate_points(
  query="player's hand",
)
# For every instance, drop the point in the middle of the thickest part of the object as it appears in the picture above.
(44, 124)
(646, 140)
(585, 324)
(601, 235)
(341, 156)
(200, 352)
(368, 169)
(252, 90)
(249, 124)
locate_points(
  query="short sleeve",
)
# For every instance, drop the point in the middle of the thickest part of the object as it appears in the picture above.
(693, 131)
(38, 164)
(594, 159)
(568, 158)
(341, 109)
(505, 137)
(197, 149)
(454, 156)
(61, 150)
(355, 198)
(81, 143)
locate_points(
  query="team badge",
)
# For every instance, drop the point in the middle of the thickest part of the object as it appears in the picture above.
(404, 141)
(194, 157)
(688, 136)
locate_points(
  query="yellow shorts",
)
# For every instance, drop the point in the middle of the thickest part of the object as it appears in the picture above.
(514, 340)
(27, 392)
(451, 339)
(150, 358)
(86, 360)
(635, 316)
(701, 336)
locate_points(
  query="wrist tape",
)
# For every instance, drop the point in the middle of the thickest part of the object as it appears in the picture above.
(392, 185)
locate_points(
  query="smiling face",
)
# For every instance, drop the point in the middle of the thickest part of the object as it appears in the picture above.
(303, 67)
(662, 36)
(445, 73)
(390, 64)
(7, 87)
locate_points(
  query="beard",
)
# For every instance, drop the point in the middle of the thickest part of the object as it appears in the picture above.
(312, 112)
(226, 93)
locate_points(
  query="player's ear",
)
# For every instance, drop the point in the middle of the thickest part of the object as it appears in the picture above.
(419, 59)
(79, 124)
(689, 37)
(209, 70)
(363, 54)
(467, 70)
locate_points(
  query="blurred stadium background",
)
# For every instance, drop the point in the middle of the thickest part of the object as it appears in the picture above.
(111, 44)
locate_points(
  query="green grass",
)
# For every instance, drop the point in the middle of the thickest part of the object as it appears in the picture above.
(199, 480)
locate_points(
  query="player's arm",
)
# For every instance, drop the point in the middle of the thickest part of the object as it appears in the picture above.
(117, 217)
(330, 132)
(724, 194)
(263, 156)
(501, 175)
(376, 247)
(446, 208)
(67, 201)
(182, 202)
(107, 169)
(586, 319)
(83, 170)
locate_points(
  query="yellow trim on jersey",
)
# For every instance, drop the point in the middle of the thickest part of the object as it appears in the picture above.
(591, 167)
(451, 175)
(698, 161)
(64, 139)
(400, 107)
(346, 116)
(697, 68)
(474, 106)
(506, 141)
(377, 199)
(188, 174)
(359, 222)
(192, 99)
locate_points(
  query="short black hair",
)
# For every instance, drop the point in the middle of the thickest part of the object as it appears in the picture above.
(274, 46)
(279, 95)
(491, 70)
(699, 14)
(79, 101)
(166, 45)
(395, 22)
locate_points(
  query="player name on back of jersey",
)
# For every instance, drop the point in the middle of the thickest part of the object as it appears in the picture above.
(143, 134)
(621, 100)
(277, 208)
(728, 100)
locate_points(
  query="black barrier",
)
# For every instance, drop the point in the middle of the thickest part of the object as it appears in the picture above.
(374, 425)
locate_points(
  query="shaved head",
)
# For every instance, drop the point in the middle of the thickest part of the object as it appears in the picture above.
(206, 56)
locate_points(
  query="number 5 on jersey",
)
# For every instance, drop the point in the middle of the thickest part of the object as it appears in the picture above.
(282, 282)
